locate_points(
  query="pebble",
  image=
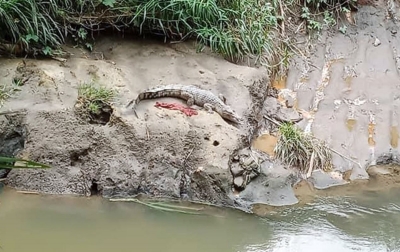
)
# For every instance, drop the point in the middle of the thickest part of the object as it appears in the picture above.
(238, 182)
(377, 42)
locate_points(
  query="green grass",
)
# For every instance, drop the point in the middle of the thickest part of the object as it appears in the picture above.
(300, 150)
(29, 23)
(164, 206)
(93, 96)
(235, 29)
(232, 28)
(17, 163)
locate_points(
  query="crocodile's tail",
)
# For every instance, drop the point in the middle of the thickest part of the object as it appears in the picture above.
(143, 96)
(140, 97)
(130, 103)
(134, 111)
(135, 101)
(147, 95)
(156, 92)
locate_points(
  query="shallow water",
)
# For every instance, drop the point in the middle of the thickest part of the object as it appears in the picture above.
(370, 222)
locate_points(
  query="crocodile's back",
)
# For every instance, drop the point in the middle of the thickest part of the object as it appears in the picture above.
(191, 94)
(175, 91)
(200, 96)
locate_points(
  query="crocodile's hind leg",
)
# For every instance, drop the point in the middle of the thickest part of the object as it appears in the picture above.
(222, 97)
(209, 108)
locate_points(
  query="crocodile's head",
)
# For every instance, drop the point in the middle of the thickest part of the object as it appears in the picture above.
(230, 115)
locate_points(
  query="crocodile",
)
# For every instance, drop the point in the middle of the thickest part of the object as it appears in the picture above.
(193, 95)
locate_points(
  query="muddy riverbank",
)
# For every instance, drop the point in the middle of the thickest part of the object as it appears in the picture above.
(162, 153)
(165, 153)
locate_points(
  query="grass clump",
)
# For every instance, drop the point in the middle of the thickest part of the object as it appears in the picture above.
(6, 91)
(233, 28)
(297, 149)
(93, 98)
(4, 94)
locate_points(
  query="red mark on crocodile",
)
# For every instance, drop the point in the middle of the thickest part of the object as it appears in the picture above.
(175, 106)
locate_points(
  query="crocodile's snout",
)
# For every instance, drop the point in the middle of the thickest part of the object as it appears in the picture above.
(232, 116)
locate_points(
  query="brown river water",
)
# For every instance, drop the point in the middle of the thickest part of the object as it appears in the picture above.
(368, 222)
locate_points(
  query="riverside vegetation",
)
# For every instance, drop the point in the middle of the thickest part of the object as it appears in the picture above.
(260, 30)
(236, 29)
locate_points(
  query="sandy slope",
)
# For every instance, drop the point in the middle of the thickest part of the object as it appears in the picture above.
(163, 153)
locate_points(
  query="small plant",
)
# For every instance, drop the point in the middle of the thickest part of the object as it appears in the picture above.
(343, 29)
(297, 149)
(81, 38)
(4, 94)
(109, 3)
(17, 82)
(7, 90)
(93, 97)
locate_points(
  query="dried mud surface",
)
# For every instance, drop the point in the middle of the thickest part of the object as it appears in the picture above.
(163, 153)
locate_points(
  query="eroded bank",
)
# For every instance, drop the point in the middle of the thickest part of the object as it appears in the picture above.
(337, 94)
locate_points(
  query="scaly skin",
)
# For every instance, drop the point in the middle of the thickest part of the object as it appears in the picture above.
(193, 96)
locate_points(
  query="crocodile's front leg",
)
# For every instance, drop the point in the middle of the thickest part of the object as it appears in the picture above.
(190, 100)
(209, 108)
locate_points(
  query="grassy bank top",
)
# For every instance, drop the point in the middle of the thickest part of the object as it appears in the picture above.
(235, 28)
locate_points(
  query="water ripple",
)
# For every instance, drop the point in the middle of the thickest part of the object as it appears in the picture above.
(337, 224)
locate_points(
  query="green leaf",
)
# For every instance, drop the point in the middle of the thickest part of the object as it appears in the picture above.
(47, 50)
(108, 3)
(5, 163)
(30, 37)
